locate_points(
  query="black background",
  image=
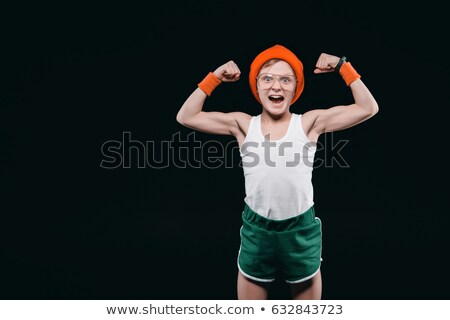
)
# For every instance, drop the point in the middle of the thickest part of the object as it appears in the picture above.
(76, 75)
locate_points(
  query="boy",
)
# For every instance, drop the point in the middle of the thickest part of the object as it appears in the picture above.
(280, 233)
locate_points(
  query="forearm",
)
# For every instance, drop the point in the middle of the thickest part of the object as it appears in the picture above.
(363, 97)
(192, 106)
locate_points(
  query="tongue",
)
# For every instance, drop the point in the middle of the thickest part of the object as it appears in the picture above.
(276, 100)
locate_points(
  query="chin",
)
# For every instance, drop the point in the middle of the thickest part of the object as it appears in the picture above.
(276, 109)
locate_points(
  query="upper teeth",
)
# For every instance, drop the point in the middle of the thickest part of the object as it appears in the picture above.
(276, 97)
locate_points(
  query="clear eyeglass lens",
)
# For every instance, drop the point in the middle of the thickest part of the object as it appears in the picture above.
(267, 80)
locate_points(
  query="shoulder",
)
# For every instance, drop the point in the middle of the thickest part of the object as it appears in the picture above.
(240, 115)
(308, 118)
(242, 121)
(308, 121)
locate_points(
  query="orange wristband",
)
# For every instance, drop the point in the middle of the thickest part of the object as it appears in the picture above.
(209, 83)
(348, 73)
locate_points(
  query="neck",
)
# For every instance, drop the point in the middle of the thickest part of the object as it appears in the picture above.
(269, 118)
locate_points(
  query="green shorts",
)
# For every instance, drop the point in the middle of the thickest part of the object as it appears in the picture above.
(291, 247)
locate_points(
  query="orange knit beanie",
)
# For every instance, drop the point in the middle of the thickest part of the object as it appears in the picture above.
(277, 52)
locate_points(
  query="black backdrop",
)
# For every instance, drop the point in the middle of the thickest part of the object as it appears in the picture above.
(76, 76)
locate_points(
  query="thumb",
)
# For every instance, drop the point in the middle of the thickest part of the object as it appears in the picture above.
(317, 70)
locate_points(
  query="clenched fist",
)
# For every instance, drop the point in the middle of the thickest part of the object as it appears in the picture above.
(326, 63)
(228, 72)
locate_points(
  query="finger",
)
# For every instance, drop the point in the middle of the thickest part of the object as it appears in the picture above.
(228, 76)
(327, 61)
(325, 64)
(231, 75)
(233, 66)
(317, 70)
(318, 63)
(322, 63)
(322, 58)
(330, 63)
(228, 70)
(236, 68)
(236, 74)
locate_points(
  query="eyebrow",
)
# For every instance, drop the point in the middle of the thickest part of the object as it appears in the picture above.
(275, 74)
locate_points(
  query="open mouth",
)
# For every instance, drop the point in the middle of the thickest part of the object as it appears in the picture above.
(276, 98)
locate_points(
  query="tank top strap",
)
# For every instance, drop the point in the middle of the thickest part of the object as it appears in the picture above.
(297, 128)
(254, 126)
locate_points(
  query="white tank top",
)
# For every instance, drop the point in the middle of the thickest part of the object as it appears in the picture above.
(278, 174)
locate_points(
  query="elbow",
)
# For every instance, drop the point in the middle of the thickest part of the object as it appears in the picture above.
(183, 120)
(180, 118)
(371, 109)
(374, 109)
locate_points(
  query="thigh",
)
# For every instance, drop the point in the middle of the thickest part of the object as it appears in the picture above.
(308, 290)
(248, 289)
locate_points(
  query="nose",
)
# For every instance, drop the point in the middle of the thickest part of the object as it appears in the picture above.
(276, 85)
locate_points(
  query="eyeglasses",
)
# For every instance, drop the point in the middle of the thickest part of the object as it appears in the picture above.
(267, 80)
